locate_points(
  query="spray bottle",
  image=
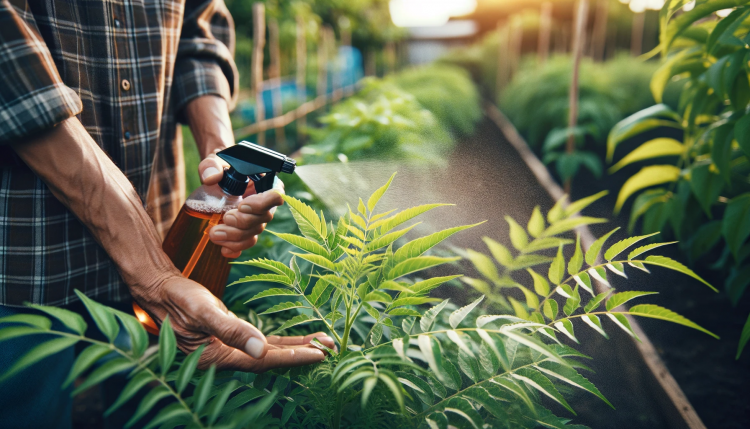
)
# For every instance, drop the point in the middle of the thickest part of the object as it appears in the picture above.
(187, 243)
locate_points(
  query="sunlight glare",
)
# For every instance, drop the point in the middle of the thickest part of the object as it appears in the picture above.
(428, 13)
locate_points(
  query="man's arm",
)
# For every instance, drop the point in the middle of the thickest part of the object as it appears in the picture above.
(83, 178)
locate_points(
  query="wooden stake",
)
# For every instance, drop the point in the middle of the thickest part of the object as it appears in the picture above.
(577, 48)
(515, 45)
(259, 42)
(545, 28)
(370, 67)
(599, 35)
(323, 62)
(301, 80)
(636, 35)
(275, 75)
(390, 57)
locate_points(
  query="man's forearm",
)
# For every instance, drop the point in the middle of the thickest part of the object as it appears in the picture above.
(209, 121)
(85, 180)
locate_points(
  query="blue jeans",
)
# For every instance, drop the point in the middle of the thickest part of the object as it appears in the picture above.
(33, 397)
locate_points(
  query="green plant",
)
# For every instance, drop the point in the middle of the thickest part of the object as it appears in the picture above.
(447, 92)
(197, 398)
(539, 309)
(380, 121)
(698, 191)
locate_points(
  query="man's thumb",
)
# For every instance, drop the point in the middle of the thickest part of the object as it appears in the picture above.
(211, 170)
(239, 334)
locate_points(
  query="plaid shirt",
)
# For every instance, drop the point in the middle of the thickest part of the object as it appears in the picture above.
(125, 68)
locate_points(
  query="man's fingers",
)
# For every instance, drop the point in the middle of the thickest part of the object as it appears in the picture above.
(260, 203)
(222, 234)
(211, 170)
(237, 219)
(235, 332)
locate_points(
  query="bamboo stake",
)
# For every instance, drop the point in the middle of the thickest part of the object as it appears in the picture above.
(259, 42)
(370, 67)
(636, 36)
(390, 57)
(545, 27)
(301, 77)
(275, 75)
(516, 45)
(336, 86)
(599, 36)
(577, 48)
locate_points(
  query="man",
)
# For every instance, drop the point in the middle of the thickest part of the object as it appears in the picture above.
(91, 172)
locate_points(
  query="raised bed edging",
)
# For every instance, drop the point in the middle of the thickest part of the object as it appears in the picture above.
(678, 410)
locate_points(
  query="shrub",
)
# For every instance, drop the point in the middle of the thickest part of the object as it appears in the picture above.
(702, 195)
(398, 365)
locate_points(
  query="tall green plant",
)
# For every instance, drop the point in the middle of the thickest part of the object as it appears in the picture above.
(698, 188)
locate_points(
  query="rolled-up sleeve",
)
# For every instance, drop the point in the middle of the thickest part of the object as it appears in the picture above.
(33, 97)
(205, 63)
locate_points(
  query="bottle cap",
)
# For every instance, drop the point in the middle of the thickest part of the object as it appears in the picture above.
(248, 161)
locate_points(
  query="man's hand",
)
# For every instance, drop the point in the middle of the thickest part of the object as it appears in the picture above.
(198, 317)
(209, 122)
(84, 179)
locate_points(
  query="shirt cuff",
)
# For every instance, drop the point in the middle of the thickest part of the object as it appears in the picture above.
(195, 78)
(37, 111)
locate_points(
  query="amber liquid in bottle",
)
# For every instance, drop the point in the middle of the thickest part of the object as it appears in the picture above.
(188, 246)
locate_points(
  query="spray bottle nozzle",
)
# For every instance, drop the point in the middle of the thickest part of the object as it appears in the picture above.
(249, 161)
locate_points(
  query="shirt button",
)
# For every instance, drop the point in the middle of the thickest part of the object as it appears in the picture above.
(127, 135)
(117, 23)
(125, 85)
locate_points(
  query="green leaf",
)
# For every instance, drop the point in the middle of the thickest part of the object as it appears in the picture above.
(317, 260)
(593, 321)
(404, 216)
(394, 387)
(542, 244)
(419, 263)
(557, 211)
(214, 409)
(550, 309)
(594, 303)
(571, 377)
(102, 315)
(656, 312)
(455, 336)
(584, 281)
(35, 320)
(535, 344)
(483, 264)
(429, 316)
(538, 381)
(736, 223)
(518, 236)
(536, 223)
(38, 353)
(103, 372)
(294, 321)
(267, 264)
(302, 243)
(419, 386)
(187, 369)
(557, 268)
(570, 224)
(170, 415)
(70, 319)
(284, 306)
(742, 133)
(744, 337)
(622, 321)
(367, 388)
(321, 292)
(579, 205)
(540, 283)
(85, 359)
(147, 403)
(572, 303)
(655, 148)
(499, 252)
(305, 211)
(411, 300)
(387, 239)
(203, 389)
(273, 278)
(437, 420)
(375, 197)
(273, 292)
(706, 186)
(458, 316)
(431, 354)
(404, 312)
(595, 248)
(136, 332)
(425, 286)
(647, 177)
(566, 327)
(621, 245)
(663, 261)
(643, 249)
(421, 245)
(576, 262)
(724, 26)
(378, 296)
(621, 298)
(135, 384)
(640, 122)
(167, 346)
